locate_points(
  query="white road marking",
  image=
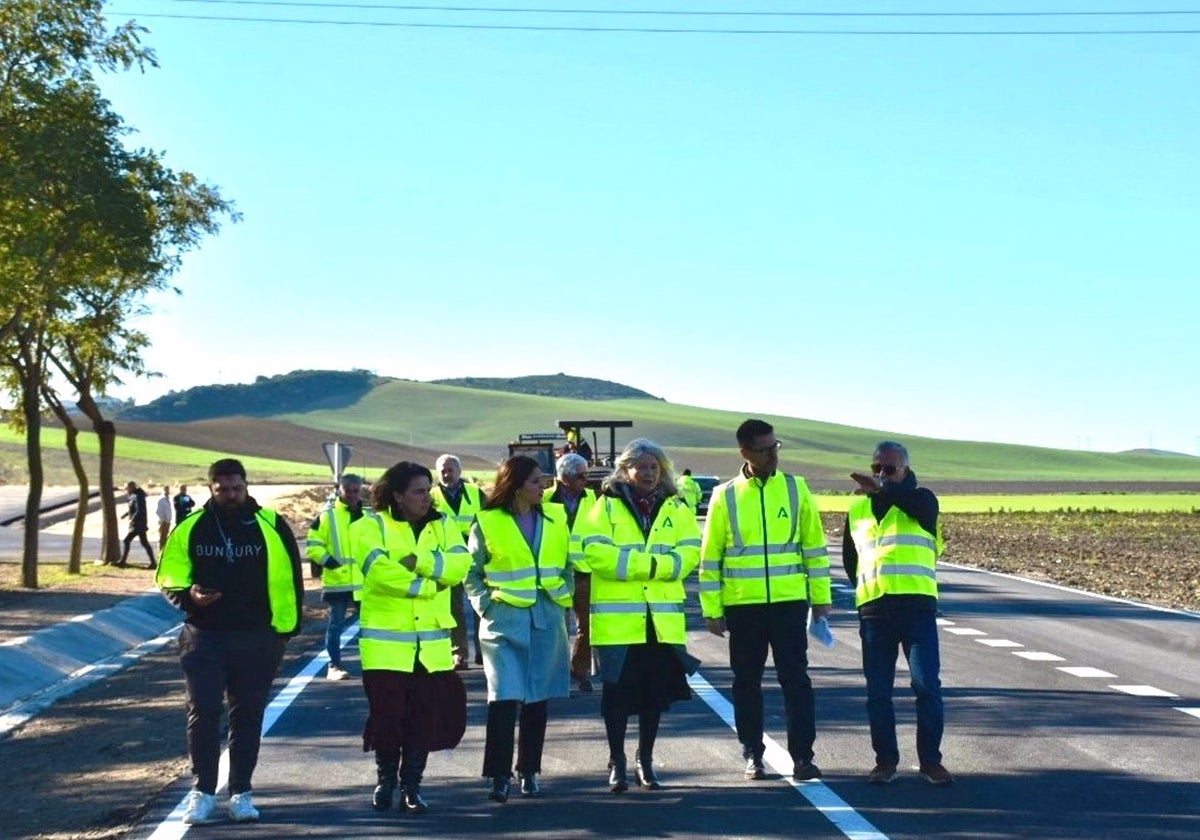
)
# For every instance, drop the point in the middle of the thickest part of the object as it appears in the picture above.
(965, 631)
(844, 818)
(1038, 656)
(1194, 711)
(1086, 672)
(172, 827)
(944, 622)
(1142, 690)
(1000, 643)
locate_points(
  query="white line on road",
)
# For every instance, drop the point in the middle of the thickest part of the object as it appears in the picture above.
(965, 631)
(1194, 711)
(1142, 690)
(844, 818)
(1038, 656)
(1085, 672)
(1000, 643)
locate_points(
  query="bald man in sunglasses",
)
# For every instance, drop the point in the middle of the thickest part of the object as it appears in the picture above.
(890, 545)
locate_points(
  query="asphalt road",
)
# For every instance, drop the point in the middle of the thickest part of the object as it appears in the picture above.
(1109, 751)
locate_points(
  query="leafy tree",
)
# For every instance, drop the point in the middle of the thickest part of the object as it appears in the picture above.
(84, 221)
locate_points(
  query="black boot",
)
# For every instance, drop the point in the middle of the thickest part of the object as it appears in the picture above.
(499, 791)
(411, 801)
(618, 781)
(643, 768)
(387, 766)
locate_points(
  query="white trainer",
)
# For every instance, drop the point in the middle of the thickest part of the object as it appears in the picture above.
(199, 808)
(241, 808)
(336, 673)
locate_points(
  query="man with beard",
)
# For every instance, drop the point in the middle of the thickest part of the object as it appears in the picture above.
(234, 569)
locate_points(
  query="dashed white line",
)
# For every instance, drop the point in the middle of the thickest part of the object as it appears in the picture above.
(1038, 656)
(1086, 672)
(1000, 643)
(1194, 711)
(965, 631)
(1142, 690)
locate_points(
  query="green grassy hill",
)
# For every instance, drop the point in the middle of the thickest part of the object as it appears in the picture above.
(404, 419)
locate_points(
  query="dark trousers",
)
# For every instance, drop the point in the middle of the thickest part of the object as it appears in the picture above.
(137, 535)
(581, 650)
(498, 743)
(240, 665)
(883, 636)
(339, 603)
(411, 769)
(752, 628)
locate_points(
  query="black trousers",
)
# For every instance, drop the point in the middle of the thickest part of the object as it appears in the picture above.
(240, 665)
(781, 626)
(498, 742)
(128, 541)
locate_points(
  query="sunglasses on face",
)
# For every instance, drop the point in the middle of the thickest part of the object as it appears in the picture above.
(886, 469)
(765, 450)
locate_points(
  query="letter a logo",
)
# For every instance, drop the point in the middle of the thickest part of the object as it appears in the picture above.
(667, 523)
(783, 514)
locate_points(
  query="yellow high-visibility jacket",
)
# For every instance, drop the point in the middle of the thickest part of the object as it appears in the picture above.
(468, 505)
(634, 575)
(512, 574)
(406, 614)
(690, 491)
(763, 543)
(330, 540)
(586, 501)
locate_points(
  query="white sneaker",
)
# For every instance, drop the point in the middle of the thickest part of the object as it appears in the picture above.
(199, 808)
(336, 673)
(241, 808)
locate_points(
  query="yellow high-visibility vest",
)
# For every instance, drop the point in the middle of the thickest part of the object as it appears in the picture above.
(331, 539)
(896, 556)
(512, 572)
(763, 543)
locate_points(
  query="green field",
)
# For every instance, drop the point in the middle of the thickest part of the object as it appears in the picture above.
(425, 419)
(1047, 503)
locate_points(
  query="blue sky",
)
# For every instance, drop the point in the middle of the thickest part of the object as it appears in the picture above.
(983, 237)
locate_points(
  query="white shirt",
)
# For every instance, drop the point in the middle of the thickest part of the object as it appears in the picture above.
(164, 509)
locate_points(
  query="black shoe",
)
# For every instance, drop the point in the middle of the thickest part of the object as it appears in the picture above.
(585, 685)
(755, 769)
(806, 772)
(644, 771)
(411, 801)
(499, 792)
(529, 785)
(618, 781)
(381, 799)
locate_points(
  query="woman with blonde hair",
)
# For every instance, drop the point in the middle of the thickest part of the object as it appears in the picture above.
(641, 541)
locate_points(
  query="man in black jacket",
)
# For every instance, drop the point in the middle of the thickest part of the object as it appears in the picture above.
(139, 523)
(234, 569)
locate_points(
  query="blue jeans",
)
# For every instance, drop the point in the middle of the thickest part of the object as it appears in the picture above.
(883, 636)
(338, 602)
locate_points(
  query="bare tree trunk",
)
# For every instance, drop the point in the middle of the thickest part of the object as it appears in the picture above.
(74, 561)
(106, 434)
(30, 403)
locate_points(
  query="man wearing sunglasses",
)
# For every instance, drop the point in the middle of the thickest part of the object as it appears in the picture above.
(890, 545)
(762, 559)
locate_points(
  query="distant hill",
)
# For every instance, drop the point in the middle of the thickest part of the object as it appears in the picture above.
(300, 390)
(556, 385)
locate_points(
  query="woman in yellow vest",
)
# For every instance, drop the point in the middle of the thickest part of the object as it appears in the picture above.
(641, 541)
(411, 555)
(519, 586)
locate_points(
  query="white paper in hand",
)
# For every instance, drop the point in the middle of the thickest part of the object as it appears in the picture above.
(818, 628)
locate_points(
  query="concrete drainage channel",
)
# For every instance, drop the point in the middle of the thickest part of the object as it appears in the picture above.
(38, 669)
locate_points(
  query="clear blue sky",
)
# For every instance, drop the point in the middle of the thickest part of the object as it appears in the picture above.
(983, 237)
